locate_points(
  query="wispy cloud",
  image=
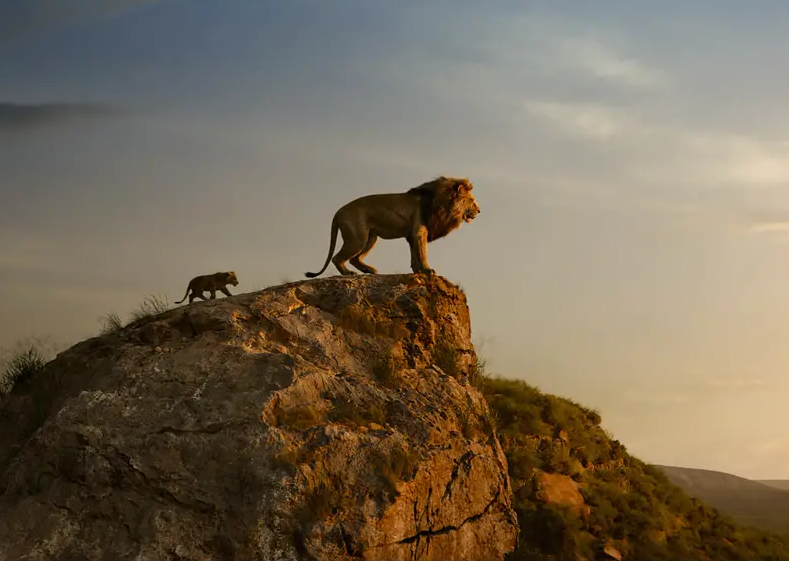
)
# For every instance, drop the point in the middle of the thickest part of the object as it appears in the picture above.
(770, 227)
(739, 383)
(693, 391)
(710, 159)
(20, 18)
(737, 158)
(655, 398)
(601, 61)
(20, 116)
(590, 120)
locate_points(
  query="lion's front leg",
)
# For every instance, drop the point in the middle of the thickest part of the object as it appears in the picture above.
(419, 251)
(225, 291)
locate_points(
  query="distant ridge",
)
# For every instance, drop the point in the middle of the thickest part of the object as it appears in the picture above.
(764, 504)
(782, 484)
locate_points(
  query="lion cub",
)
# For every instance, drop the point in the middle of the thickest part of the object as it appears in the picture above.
(212, 283)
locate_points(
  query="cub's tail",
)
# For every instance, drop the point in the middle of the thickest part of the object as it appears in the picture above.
(185, 295)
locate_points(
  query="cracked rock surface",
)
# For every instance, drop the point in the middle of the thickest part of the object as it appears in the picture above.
(327, 419)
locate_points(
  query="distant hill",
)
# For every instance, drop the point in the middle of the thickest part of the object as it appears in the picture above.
(759, 503)
(579, 494)
(777, 483)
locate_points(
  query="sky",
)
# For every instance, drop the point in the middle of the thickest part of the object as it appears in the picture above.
(631, 160)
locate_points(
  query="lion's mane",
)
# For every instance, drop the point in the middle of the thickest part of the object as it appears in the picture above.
(443, 204)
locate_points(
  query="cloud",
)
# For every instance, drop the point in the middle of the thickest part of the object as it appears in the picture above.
(686, 392)
(21, 18)
(655, 397)
(585, 119)
(736, 158)
(600, 61)
(668, 152)
(781, 227)
(725, 383)
(20, 116)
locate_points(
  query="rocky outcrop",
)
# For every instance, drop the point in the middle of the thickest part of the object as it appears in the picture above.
(326, 419)
(554, 488)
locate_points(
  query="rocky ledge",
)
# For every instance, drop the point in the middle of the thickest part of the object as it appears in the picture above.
(325, 419)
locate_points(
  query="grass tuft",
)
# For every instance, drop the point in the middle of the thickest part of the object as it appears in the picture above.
(110, 323)
(20, 364)
(151, 306)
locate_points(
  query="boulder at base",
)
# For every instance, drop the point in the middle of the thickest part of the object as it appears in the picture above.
(325, 419)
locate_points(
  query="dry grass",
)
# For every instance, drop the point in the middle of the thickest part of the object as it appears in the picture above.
(478, 373)
(299, 417)
(151, 306)
(324, 496)
(21, 368)
(110, 323)
(353, 414)
(366, 319)
(19, 364)
(447, 358)
(387, 367)
(398, 466)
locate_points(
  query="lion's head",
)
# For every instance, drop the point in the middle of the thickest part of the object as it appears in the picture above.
(450, 203)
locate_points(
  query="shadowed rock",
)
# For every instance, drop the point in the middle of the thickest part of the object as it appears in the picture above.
(325, 419)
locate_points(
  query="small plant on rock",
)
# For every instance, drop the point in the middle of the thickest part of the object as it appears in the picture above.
(356, 414)
(386, 369)
(21, 367)
(151, 306)
(110, 323)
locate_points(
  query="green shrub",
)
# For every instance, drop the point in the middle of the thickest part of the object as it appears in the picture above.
(521, 462)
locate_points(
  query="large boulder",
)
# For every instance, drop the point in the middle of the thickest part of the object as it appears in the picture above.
(325, 419)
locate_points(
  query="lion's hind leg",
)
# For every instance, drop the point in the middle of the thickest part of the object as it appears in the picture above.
(196, 294)
(356, 260)
(352, 246)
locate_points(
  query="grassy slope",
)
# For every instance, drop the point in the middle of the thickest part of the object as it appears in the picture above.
(631, 502)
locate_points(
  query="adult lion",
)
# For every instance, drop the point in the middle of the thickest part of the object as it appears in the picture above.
(420, 215)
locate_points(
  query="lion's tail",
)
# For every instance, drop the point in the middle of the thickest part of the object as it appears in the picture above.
(334, 229)
(185, 295)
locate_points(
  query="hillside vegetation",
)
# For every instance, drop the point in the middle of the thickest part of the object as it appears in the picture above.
(629, 506)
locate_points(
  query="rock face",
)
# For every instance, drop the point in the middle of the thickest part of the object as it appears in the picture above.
(326, 419)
